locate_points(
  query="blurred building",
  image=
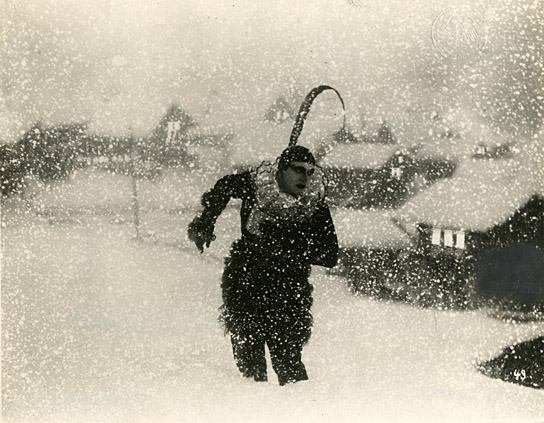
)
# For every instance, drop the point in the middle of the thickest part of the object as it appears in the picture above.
(487, 209)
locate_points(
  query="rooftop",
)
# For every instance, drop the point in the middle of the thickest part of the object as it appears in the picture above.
(481, 193)
(361, 156)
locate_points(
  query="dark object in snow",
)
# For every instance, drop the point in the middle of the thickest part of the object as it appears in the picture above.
(407, 276)
(497, 262)
(497, 230)
(521, 363)
(267, 296)
(514, 273)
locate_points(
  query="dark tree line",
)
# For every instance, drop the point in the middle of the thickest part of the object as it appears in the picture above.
(41, 153)
(52, 153)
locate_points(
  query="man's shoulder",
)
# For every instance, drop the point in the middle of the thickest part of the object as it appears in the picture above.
(240, 184)
(237, 175)
(322, 209)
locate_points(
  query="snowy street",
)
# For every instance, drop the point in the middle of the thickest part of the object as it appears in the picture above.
(405, 139)
(98, 327)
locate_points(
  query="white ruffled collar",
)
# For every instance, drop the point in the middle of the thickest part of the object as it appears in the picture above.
(273, 204)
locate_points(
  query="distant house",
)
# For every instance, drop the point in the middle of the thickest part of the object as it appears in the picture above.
(502, 151)
(357, 174)
(382, 135)
(396, 172)
(167, 143)
(481, 151)
(280, 111)
(487, 206)
(524, 224)
(400, 164)
(378, 175)
(479, 199)
(346, 136)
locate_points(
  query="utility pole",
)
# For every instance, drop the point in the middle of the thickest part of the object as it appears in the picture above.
(133, 172)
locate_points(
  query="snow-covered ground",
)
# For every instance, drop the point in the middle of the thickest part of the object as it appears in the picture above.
(99, 327)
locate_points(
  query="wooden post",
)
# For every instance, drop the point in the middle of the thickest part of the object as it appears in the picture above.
(135, 206)
(135, 202)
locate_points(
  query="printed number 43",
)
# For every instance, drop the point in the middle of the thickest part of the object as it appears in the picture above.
(520, 375)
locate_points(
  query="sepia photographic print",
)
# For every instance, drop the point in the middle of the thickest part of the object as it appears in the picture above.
(272, 211)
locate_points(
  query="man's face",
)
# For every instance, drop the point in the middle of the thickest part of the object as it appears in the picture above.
(295, 178)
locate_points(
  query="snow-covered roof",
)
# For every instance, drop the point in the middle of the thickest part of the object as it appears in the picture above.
(362, 156)
(481, 193)
(368, 228)
(460, 148)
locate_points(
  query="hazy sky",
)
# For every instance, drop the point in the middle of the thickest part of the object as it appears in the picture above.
(120, 63)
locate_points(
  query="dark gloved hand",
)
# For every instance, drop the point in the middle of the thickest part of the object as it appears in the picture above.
(200, 233)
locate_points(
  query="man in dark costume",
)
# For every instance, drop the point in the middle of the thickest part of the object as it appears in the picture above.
(286, 227)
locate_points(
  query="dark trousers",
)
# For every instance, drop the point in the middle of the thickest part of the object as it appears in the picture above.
(286, 358)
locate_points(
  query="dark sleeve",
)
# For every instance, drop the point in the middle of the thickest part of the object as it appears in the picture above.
(215, 200)
(322, 242)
